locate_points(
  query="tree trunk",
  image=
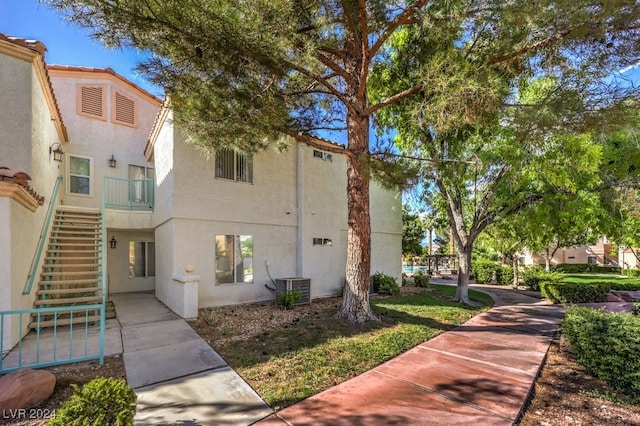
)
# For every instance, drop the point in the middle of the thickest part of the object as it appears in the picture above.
(515, 264)
(355, 303)
(464, 268)
(547, 261)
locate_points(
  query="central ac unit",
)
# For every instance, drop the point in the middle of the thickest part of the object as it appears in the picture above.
(303, 285)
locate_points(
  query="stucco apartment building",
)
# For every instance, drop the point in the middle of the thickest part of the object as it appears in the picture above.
(600, 253)
(198, 230)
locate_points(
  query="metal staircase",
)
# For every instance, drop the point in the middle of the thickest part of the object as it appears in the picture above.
(72, 269)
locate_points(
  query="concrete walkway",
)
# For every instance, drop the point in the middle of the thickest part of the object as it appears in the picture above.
(178, 378)
(481, 372)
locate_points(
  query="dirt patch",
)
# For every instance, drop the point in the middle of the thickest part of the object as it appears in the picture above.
(566, 395)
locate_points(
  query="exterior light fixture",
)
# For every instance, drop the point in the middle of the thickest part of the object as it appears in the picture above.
(56, 149)
(113, 242)
(112, 162)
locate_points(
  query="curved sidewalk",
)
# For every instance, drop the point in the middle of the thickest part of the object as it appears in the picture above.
(481, 372)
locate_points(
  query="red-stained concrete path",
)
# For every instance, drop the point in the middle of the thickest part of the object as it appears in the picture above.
(480, 373)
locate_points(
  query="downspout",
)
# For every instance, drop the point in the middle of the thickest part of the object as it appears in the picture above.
(300, 210)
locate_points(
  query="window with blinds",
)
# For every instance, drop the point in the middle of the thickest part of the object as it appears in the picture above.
(234, 165)
(91, 101)
(124, 110)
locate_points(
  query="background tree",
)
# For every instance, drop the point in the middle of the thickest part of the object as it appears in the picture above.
(509, 142)
(620, 193)
(413, 232)
(243, 74)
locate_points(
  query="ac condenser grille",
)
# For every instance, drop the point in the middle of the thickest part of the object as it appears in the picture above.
(303, 285)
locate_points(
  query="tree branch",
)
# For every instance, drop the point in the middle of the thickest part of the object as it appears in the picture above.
(395, 98)
(402, 19)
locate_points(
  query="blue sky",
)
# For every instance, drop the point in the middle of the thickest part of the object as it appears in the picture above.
(66, 44)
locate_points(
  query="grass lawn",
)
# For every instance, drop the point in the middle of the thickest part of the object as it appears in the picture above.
(309, 353)
(600, 278)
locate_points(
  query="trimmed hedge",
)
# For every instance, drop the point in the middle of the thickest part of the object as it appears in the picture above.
(483, 271)
(504, 275)
(608, 345)
(534, 276)
(564, 292)
(577, 268)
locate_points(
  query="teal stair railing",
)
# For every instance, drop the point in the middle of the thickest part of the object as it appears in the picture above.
(53, 201)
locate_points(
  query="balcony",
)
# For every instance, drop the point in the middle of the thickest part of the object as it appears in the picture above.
(128, 194)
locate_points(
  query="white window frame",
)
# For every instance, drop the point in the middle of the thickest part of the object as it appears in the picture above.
(238, 157)
(91, 176)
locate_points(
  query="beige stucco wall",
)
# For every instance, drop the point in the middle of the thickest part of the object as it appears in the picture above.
(294, 198)
(27, 130)
(118, 279)
(97, 139)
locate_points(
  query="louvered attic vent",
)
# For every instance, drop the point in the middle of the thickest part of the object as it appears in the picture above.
(125, 110)
(91, 101)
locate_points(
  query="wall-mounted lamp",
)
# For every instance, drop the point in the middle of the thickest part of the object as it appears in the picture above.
(56, 149)
(113, 242)
(112, 161)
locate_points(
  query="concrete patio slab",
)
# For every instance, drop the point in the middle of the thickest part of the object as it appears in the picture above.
(162, 363)
(145, 336)
(77, 343)
(214, 397)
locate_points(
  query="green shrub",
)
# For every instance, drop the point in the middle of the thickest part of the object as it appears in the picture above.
(504, 275)
(621, 285)
(577, 268)
(636, 308)
(566, 292)
(631, 272)
(289, 298)
(102, 401)
(608, 345)
(535, 275)
(384, 284)
(421, 279)
(483, 271)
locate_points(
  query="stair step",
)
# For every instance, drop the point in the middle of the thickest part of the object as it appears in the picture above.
(68, 301)
(63, 282)
(67, 290)
(76, 237)
(93, 244)
(78, 214)
(87, 226)
(51, 252)
(76, 232)
(70, 273)
(91, 263)
(66, 258)
(66, 321)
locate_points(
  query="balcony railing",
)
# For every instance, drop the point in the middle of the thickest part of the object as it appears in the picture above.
(128, 194)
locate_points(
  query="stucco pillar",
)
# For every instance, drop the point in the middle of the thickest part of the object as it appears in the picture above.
(185, 300)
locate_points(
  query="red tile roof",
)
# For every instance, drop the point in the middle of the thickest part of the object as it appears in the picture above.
(110, 71)
(36, 45)
(22, 179)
